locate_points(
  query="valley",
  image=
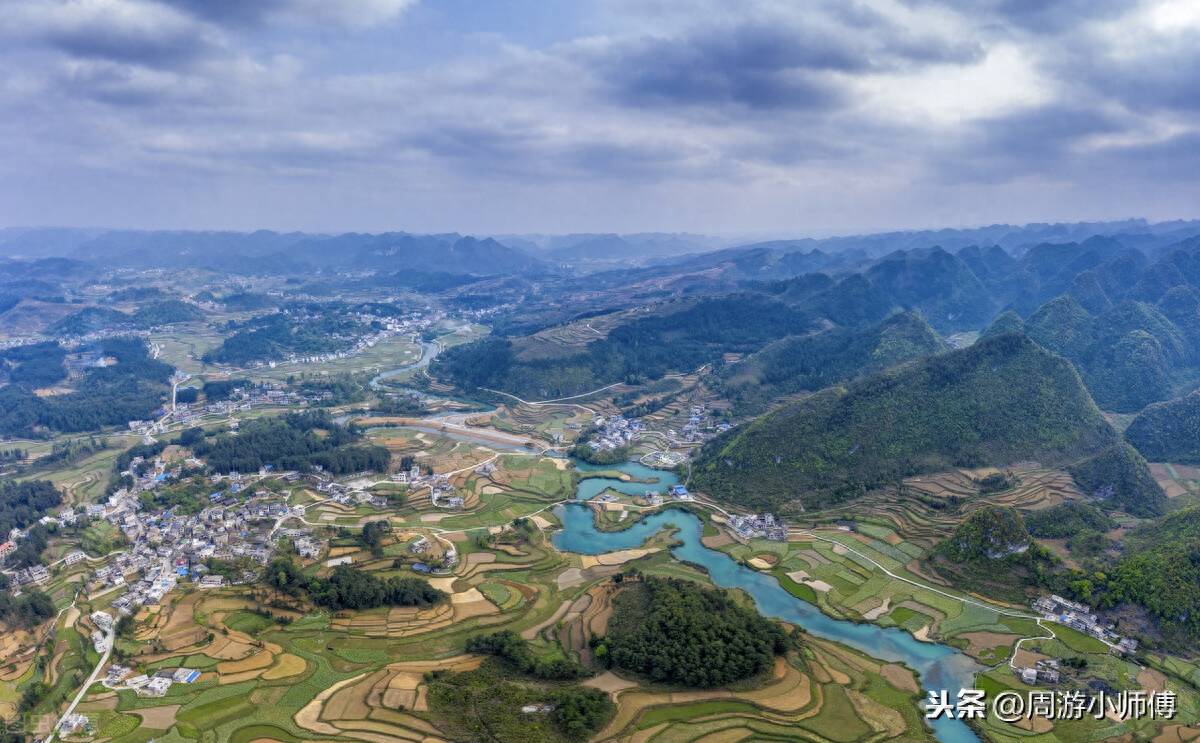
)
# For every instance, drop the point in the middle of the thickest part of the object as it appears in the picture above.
(369, 516)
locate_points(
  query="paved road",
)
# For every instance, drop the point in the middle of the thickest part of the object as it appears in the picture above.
(86, 685)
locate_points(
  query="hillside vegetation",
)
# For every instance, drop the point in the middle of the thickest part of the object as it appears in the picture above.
(132, 388)
(988, 533)
(1120, 478)
(1126, 355)
(1000, 401)
(637, 351)
(1169, 431)
(813, 362)
(676, 632)
(1159, 571)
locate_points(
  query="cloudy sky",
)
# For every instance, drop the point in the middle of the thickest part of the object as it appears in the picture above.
(767, 116)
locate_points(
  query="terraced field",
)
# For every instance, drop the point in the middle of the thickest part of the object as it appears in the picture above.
(275, 667)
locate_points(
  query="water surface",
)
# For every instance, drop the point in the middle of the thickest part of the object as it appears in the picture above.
(941, 667)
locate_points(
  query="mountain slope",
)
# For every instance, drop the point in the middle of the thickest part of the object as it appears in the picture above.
(939, 284)
(813, 362)
(1169, 431)
(1125, 355)
(1000, 401)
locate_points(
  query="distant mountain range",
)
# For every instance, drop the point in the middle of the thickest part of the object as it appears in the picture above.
(273, 252)
(268, 251)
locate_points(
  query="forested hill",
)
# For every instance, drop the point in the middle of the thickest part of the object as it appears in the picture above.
(1169, 431)
(1003, 400)
(816, 360)
(132, 387)
(673, 339)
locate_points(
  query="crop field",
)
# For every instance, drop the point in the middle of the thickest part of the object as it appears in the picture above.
(276, 667)
(390, 353)
(825, 692)
(1177, 479)
(842, 571)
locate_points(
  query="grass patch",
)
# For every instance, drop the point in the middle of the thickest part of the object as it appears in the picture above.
(1077, 641)
(679, 712)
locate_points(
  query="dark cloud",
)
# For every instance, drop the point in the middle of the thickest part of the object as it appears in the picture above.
(764, 65)
(757, 67)
(130, 39)
(1162, 79)
(495, 149)
(253, 14)
(1044, 140)
(229, 12)
(783, 110)
(1037, 16)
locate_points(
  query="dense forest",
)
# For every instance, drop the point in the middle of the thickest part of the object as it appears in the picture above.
(33, 366)
(132, 388)
(220, 389)
(292, 442)
(988, 533)
(350, 588)
(516, 651)
(818, 360)
(275, 336)
(1120, 477)
(28, 610)
(676, 632)
(1159, 570)
(640, 350)
(1128, 354)
(153, 314)
(1067, 520)
(1169, 431)
(23, 503)
(1000, 401)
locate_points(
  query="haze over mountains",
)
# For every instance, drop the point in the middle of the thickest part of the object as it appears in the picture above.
(452, 251)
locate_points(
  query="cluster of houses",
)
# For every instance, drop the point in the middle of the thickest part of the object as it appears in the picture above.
(614, 432)
(37, 574)
(442, 493)
(31, 576)
(171, 545)
(122, 677)
(1081, 617)
(699, 428)
(385, 326)
(346, 494)
(1044, 671)
(242, 399)
(758, 526)
(676, 493)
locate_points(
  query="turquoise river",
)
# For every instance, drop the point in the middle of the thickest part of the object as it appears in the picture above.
(941, 667)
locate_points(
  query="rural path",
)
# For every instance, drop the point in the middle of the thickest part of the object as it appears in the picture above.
(557, 400)
(110, 634)
(964, 599)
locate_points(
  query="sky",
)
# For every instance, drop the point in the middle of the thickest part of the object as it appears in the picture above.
(497, 116)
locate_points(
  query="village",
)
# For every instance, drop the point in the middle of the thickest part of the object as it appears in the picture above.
(615, 432)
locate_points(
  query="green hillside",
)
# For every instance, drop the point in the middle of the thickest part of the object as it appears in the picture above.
(1169, 431)
(1006, 322)
(813, 362)
(989, 533)
(1000, 401)
(1125, 354)
(646, 348)
(1120, 477)
(1160, 571)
